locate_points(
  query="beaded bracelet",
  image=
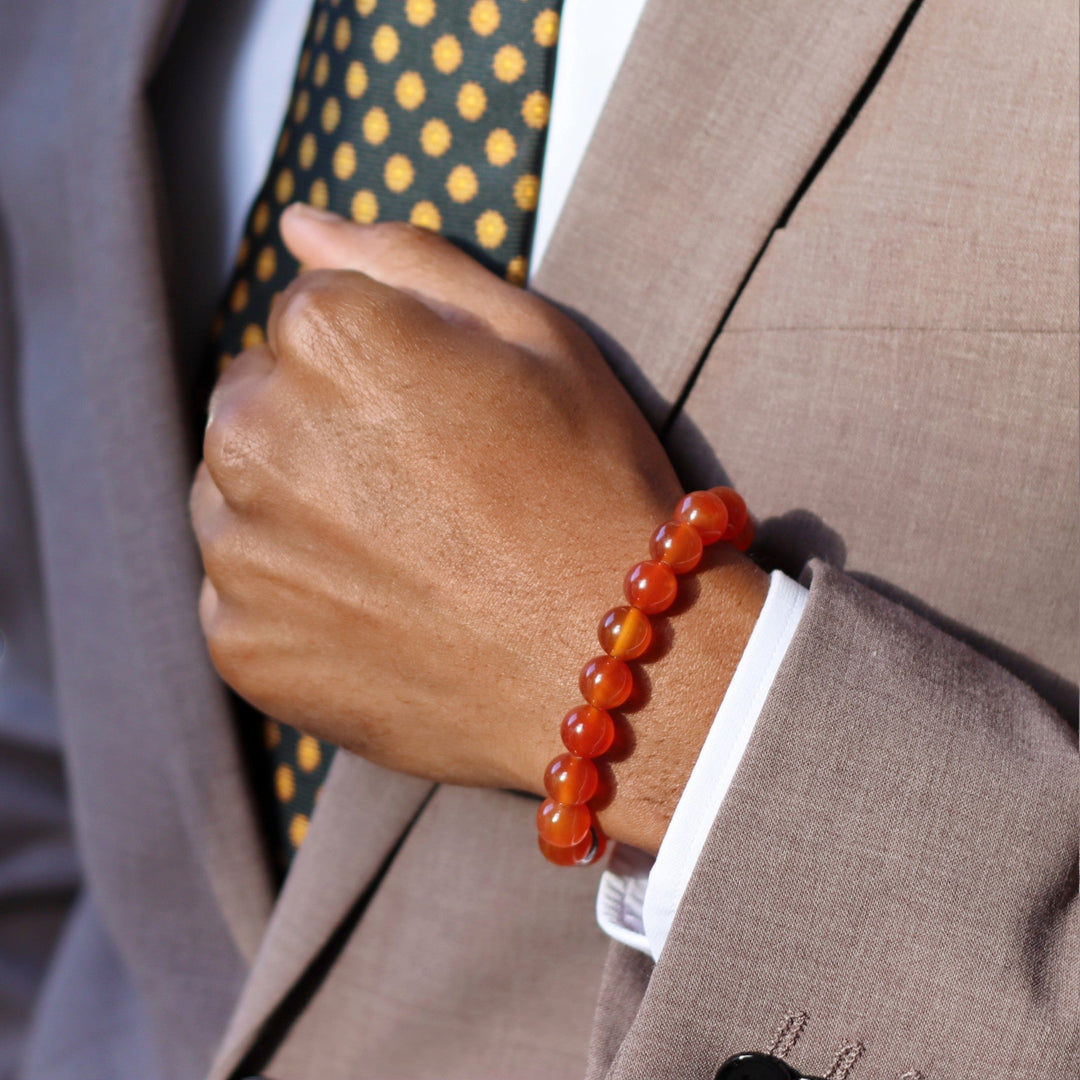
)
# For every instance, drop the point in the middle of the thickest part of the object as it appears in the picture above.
(569, 834)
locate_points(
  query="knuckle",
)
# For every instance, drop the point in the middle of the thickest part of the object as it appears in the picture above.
(551, 331)
(218, 550)
(214, 527)
(238, 659)
(398, 237)
(398, 231)
(220, 638)
(316, 307)
(403, 250)
(227, 639)
(208, 607)
(236, 450)
(227, 653)
(344, 327)
(200, 498)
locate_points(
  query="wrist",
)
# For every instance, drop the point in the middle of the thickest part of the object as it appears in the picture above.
(662, 729)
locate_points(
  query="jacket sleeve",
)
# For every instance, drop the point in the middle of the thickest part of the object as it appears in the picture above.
(889, 888)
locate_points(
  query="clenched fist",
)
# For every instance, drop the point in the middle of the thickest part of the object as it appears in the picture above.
(416, 501)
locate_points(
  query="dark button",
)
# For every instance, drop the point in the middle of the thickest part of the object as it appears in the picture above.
(755, 1067)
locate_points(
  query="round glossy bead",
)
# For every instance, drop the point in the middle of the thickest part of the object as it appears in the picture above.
(625, 632)
(588, 731)
(600, 846)
(677, 544)
(745, 538)
(651, 586)
(605, 682)
(581, 854)
(562, 825)
(571, 780)
(736, 508)
(706, 511)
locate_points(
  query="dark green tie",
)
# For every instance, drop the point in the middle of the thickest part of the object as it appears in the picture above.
(429, 111)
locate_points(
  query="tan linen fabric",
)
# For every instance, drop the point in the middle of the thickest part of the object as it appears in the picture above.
(895, 388)
(918, 314)
(885, 864)
(717, 114)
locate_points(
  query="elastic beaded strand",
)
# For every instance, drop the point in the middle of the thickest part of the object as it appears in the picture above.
(588, 731)
(736, 510)
(568, 832)
(587, 851)
(706, 511)
(563, 825)
(571, 779)
(625, 633)
(651, 586)
(745, 539)
(678, 544)
(605, 682)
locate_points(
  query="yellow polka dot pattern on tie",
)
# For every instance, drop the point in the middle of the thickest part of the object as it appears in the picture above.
(428, 111)
(299, 766)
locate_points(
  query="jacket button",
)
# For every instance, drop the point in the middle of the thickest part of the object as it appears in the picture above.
(755, 1067)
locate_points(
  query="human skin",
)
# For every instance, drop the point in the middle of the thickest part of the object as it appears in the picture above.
(415, 504)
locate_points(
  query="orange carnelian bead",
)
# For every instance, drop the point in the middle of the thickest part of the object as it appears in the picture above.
(677, 544)
(587, 851)
(745, 538)
(706, 511)
(605, 682)
(598, 849)
(651, 586)
(562, 825)
(588, 731)
(571, 779)
(625, 632)
(736, 509)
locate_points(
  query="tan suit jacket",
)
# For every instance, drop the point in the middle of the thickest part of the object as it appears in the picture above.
(831, 247)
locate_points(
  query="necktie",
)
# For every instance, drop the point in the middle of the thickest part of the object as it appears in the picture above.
(429, 111)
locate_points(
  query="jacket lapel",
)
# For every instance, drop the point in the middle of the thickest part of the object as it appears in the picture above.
(166, 710)
(135, 407)
(717, 115)
(364, 812)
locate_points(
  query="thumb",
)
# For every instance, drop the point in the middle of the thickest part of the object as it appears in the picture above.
(416, 261)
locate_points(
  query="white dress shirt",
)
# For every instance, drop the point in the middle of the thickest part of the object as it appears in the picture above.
(638, 897)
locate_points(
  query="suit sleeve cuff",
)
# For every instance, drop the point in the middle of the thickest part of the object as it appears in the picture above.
(638, 897)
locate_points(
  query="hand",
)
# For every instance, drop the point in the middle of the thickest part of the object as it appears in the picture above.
(416, 502)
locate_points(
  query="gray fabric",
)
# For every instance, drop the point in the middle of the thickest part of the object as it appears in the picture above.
(895, 389)
(91, 1018)
(38, 875)
(107, 475)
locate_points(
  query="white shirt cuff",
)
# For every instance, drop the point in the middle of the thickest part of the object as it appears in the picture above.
(638, 897)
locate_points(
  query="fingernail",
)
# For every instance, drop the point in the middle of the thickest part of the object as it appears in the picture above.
(313, 213)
